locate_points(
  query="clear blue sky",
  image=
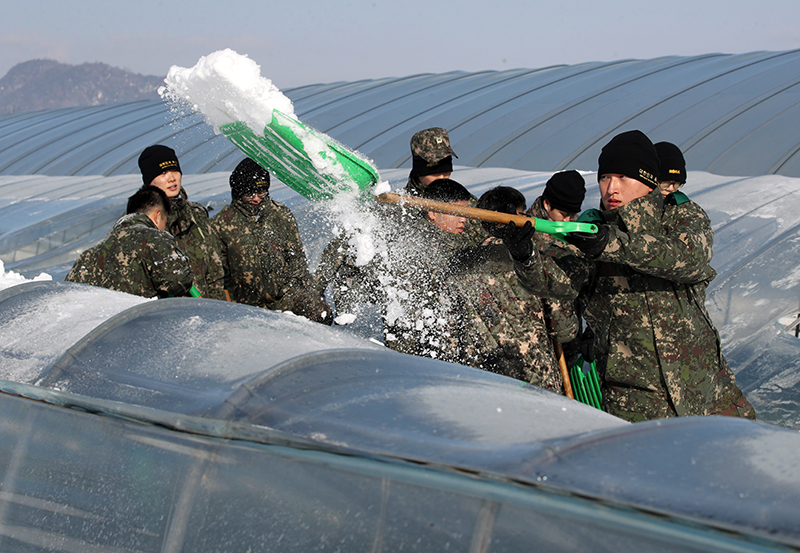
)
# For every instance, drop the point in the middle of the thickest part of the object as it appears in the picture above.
(300, 42)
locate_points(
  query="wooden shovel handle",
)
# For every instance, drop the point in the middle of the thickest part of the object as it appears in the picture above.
(454, 209)
(562, 365)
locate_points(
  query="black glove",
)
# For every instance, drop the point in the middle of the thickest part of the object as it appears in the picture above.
(588, 340)
(590, 243)
(519, 241)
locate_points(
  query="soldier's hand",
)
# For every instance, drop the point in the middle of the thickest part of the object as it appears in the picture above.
(590, 243)
(518, 240)
(587, 344)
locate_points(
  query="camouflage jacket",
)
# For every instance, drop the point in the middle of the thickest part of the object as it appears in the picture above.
(497, 324)
(662, 352)
(574, 264)
(678, 208)
(188, 222)
(265, 261)
(136, 258)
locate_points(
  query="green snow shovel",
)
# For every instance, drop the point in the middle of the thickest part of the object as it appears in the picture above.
(309, 162)
(316, 166)
(586, 384)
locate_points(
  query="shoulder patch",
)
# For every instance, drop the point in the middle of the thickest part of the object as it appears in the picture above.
(678, 198)
(591, 216)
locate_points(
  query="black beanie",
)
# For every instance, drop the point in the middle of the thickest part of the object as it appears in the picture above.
(248, 178)
(156, 160)
(565, 191)
(631, 154)
(421, 168)
(673, 166)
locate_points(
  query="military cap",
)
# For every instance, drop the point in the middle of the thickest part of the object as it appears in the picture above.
(432, 145)
(673, 165)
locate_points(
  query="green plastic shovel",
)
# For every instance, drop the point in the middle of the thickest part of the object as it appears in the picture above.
(304, 159)
(316, 166)
(586, 384)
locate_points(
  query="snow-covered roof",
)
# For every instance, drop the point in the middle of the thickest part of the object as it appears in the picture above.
(180, 419)
(730, 114)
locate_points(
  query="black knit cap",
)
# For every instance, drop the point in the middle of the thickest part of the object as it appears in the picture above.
(156, 160)
(631, 154)
(673, 166)
(248, 178)
(565, 191)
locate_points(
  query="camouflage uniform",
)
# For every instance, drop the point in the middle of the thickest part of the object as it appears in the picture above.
(265, 260)
(678, 208)
(135, 258)
(662, 352)
(188, 222)
(578, 268)
(500, 326)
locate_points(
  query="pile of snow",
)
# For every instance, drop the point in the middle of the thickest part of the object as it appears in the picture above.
(10, 278)
(226, 87)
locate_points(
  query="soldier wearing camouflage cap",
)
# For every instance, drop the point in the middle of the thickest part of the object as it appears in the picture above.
(431, 158)
(660, 349)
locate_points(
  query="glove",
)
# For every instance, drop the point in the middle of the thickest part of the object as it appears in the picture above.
(592, 244)
(519, 241)
(588, 340)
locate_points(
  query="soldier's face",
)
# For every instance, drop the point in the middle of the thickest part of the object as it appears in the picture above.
(255, 198)
(617, 190)
(558, 214)
(427, 179)
(169, 182)
(449, 223)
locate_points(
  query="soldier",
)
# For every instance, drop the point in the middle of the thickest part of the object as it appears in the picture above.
(431, 159)
(662, 352)
(188, 221)
(417, 251)
(562, 198)
(265, 263)
(497, 324)
(137, 257)
(678, 206)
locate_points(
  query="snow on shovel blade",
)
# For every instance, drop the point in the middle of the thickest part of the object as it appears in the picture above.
(309, 162)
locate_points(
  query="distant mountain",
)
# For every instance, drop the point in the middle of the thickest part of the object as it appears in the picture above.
(46, 84)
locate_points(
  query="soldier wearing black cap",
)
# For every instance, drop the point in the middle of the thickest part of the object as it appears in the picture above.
(672, 173)
(562, 198)
(677, 205)
(660, 352)
(188, 221)
(265, 263)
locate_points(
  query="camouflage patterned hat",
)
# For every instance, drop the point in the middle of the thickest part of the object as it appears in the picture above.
(432, 145)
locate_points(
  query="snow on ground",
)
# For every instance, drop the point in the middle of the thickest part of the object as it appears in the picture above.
(10, 278)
